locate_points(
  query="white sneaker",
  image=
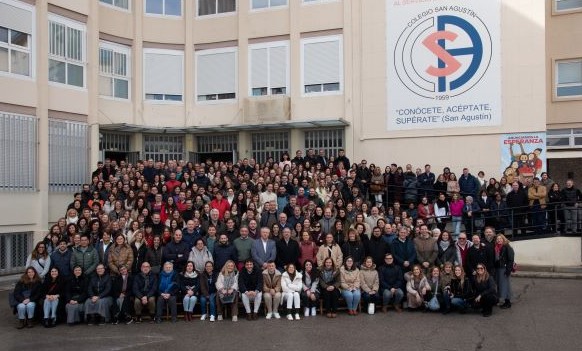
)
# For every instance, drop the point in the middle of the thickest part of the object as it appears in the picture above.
(297, 317)
(234, 318)
(277, 315)
(219, 317)
(269, 316)
(203, 317)
(313, 311)
(211, 318)
(306, 311)
(290, 317)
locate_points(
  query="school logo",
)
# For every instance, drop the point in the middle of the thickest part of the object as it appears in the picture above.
(443, 52)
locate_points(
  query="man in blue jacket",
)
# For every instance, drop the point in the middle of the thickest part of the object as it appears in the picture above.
(469, 184)
(391, 283)
(177, 251)
(403, 250)
(264, 249)
(61, 259)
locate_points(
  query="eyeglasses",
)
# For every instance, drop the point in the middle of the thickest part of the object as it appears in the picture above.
(480, 268)
(462, 238)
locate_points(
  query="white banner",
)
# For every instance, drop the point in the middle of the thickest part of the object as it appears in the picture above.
(443, 63)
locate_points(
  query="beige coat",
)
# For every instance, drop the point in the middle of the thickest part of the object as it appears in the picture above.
(336, 255)
(537, 193)
(349, 279)
(369, 279)
(120, 256)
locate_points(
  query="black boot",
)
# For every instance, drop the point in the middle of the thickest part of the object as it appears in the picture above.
(53, 322)
(506, 304)
(21, 324)
(46, 323)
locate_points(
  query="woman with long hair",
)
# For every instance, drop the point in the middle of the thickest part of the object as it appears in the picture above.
(485, 290)
(329, 283)
(416, 288)
(39, 259)
(504, 260)
(291, 286)
(461, 291)
(53, 290)
(27, 292)
(310, 292)
(227, 289)
(208, 291)
(190, 288)
(330, 250)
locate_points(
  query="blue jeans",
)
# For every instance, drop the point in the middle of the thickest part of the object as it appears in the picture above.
(387, 296)
(26, 310)
(210, 300)
(352, 298)
(456, 226)
(50, 308)
(459, 303)
(189, 302)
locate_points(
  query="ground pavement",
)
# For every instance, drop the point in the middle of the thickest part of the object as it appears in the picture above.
(545, 316)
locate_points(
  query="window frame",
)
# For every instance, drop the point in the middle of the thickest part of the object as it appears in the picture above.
(82, 27)
(555, 10)
(122, 49)
(317, 2)
(27, 127)
(116, 7)
(269, 7)
(163, 15)
(199, 53)
(556, 85)
(323, 39)
(268, 45)
(216, 14)
(164, 101)
(31, 42)
(571, 135)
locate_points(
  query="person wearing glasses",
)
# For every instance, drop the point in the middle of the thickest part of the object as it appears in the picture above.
(485, 290)
(462, 245)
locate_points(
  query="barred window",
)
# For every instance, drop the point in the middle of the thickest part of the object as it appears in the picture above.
(163, 147)
(330, 140)
(18, 153)
(114, 142)
(272, 144)
(14, 249)
(68, 155)
(217, 143)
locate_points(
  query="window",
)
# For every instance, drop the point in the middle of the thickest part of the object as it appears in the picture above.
(322, 64)
(569, 78)
(15, 38)
(272, 144)
(163, 147)
(164, 7)
(114, 70)
(68, 155)
(565, 5)
(217, 143)
(262, 4)
(114, 142)
(330, 140)
(123, 4)
(216, 74)
(269, 73)
(163, 75)
(564, 138)
(213, 7)
(18, 149)
(14, 250)
(317, 1)
(66, 51)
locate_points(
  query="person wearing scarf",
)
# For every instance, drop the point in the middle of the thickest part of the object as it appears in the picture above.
(168, 288)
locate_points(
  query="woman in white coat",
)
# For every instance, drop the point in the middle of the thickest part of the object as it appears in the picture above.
(291, 284)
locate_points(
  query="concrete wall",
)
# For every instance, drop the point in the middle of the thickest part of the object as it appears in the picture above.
(561, 251)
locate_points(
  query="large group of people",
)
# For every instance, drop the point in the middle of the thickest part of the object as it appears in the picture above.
(141, 240)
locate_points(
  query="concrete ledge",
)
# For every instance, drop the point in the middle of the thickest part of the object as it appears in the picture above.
(546, 275)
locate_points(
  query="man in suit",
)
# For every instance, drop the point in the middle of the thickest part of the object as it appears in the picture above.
(264, 249)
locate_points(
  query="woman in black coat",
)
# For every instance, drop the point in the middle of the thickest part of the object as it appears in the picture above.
(75, 296)
(53, 291)
(485, 291)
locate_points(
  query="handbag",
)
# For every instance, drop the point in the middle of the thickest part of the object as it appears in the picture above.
(433, 304)
(226, 298)
(371, 308)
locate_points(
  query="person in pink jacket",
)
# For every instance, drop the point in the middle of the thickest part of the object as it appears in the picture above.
(456, 208)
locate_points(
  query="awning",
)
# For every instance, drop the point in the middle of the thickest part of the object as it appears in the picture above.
(225, 128)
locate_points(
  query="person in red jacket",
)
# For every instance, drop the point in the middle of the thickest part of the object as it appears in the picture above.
(220, 203)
